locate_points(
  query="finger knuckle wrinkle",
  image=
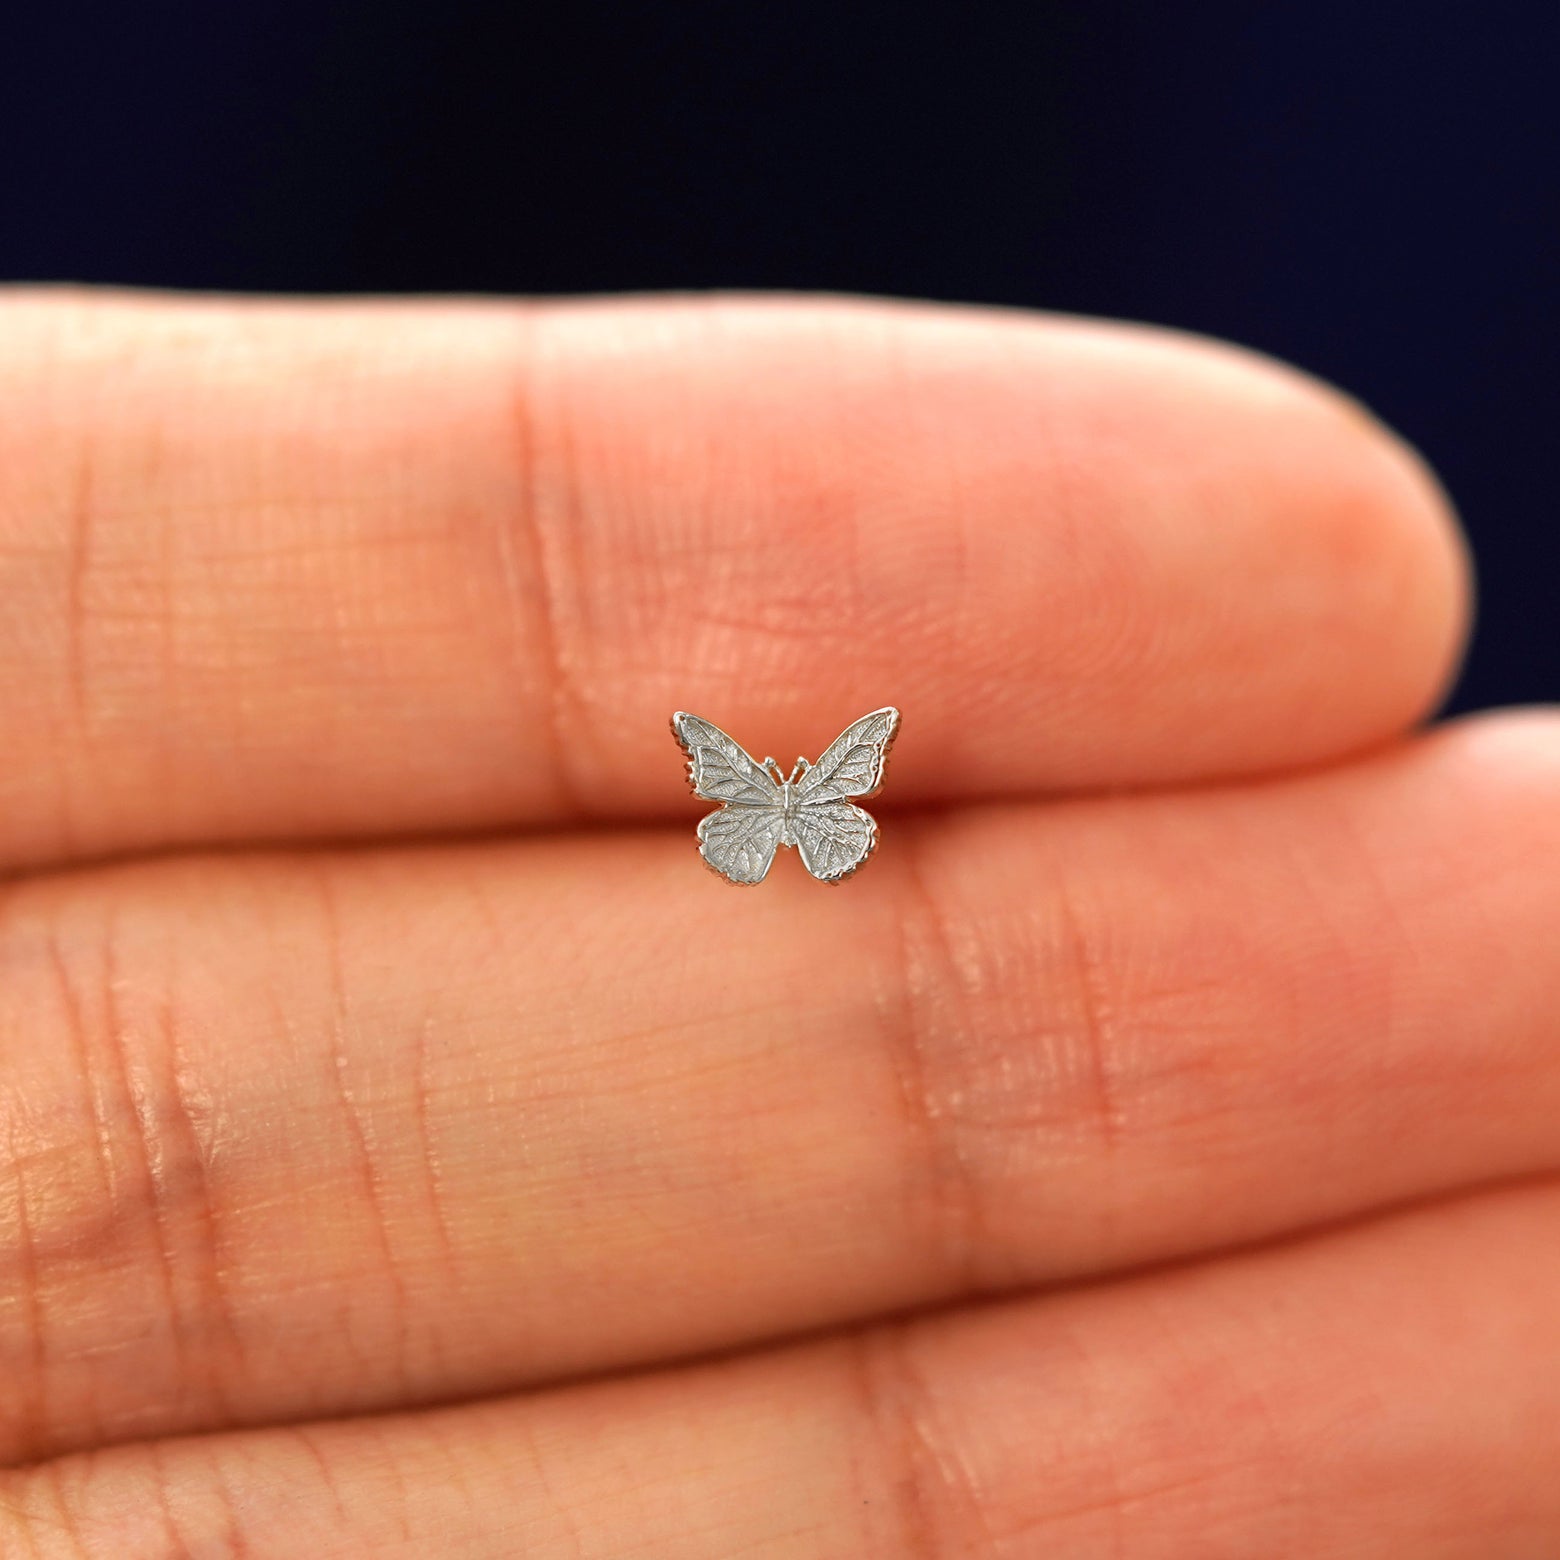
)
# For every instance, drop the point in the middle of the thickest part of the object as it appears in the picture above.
(129, 1508)
(1014, 1033)
(928, 1041)
(937, 1513)
(38, 1523)
(109, 1160)
(539, 550)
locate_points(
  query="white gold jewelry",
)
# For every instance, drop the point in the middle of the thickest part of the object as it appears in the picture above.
(764, 808)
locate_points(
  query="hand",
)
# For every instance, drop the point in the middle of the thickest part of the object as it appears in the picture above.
(407, 1149)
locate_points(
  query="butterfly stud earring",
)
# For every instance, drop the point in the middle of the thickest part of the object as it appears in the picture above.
(764, 808)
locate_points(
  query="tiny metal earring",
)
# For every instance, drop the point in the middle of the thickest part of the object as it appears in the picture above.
(763, 808)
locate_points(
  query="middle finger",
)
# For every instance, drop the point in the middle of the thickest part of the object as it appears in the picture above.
(346, 1131)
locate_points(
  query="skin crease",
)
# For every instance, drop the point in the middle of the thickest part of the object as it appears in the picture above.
(406, 1148)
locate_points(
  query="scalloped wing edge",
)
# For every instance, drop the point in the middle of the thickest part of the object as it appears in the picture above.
(894, 722)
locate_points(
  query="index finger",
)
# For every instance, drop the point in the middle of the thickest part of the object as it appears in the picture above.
(291, 570)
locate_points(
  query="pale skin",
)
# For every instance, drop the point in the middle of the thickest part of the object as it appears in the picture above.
(407, 1149)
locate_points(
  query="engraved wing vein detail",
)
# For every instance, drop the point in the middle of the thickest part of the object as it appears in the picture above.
(852, 764)
(740, 842)
(718, 769)
(811, 811)
(834, 838)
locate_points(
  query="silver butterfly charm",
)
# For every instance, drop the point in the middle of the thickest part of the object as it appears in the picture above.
(765, 808)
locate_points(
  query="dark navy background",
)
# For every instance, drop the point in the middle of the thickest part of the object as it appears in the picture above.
(1370, 190)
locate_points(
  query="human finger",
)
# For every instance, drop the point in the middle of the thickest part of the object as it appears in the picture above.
(341, 1133)
(1390, 1390)
(297, 570)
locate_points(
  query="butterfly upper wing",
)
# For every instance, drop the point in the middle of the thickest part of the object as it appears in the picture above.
(834, 838)
(738, 841)
(833, 835)
(719, 769)
(852, 764)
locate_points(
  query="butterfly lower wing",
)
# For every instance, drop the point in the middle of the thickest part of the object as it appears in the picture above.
(719, 769)
(834, 838)
(740, 842)
(852, 764)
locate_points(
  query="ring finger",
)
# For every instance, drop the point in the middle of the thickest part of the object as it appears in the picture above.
(1391, 1391)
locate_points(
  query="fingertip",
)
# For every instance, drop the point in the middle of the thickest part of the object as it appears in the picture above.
(1381, 578)
(1426, 568)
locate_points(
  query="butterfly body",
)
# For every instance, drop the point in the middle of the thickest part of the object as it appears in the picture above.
(790, 799)
(764, 809)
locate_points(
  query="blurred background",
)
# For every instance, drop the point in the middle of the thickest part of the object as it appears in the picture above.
(1370, 191)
